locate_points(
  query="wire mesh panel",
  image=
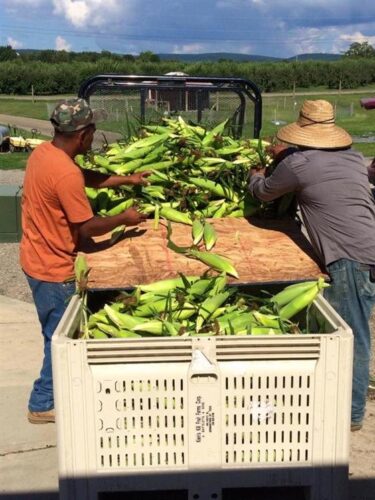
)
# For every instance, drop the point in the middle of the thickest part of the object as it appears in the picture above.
(130, 101)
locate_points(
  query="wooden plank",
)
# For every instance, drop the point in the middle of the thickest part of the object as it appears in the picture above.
(264, 251)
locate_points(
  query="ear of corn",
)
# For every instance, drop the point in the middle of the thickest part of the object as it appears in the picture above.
(167, 285)
(199, 287)
(214, 187)
(121, 207)
(122, 320)
(291, 292)
(268, 320)
(117, 233)
(209, 306)
(161, 165)
(157, 307)
(148, 141)
(302, 301)
(219, 284)
(209, 235)
(175, 216)
(197, 231)
(95, 333)
(215, 261)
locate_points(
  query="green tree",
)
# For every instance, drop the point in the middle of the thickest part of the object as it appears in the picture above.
(358, 49)
(149, 56)
(7, 53)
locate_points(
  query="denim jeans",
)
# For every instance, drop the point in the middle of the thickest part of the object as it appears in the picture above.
(51, 300)
(352, 295)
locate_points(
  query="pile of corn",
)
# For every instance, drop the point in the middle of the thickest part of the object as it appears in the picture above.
(196, 172)
(200, 306)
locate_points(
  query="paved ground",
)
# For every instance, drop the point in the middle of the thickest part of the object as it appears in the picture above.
(28, 454)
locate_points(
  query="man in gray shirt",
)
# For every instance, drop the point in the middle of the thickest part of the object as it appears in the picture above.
(331, 184)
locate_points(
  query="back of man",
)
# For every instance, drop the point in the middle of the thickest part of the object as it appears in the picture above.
(332, 187)
(53, 201)
(334, 196)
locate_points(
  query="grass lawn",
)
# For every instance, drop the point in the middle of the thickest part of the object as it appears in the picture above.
(26, 107)
(13, 161)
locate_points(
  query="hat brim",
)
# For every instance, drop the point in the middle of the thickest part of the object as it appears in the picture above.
(318, 136)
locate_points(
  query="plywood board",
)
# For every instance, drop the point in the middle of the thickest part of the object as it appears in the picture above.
(262, 251)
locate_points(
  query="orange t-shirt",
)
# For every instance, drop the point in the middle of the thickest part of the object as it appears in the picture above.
(53, 201)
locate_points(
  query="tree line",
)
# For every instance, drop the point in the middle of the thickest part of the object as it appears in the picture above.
(58, 72)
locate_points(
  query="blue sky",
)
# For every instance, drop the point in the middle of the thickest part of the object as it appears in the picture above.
(281, 28)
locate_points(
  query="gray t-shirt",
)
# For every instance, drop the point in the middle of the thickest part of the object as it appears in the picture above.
(333, 192)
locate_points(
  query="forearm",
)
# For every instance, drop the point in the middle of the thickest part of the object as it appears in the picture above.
(97, 180)
(97, 226)
(282, 181)
(260, 189)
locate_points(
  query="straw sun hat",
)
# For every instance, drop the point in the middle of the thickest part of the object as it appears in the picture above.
(315, 128)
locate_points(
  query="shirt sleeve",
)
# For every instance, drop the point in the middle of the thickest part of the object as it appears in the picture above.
(71, 193)
(282, 181)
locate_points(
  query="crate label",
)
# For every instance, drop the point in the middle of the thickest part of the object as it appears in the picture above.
(204, 419)
(262, 411)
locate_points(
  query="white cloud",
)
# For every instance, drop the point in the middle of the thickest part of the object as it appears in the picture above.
(15, 44)
(246, 49)
(358, 37)
(62, 44)
(190, 48)
(84, 13)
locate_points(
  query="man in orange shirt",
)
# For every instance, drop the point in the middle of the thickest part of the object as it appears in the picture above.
(56, 218)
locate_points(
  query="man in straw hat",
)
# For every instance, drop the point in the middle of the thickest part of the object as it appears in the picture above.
(56, 219)
(331, 184)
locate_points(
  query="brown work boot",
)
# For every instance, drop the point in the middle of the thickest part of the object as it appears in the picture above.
(41, 417)
(356, 426)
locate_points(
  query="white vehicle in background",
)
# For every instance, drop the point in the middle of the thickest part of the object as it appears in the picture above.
(16, 142)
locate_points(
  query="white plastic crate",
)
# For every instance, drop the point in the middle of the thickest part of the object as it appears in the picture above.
(197, 417)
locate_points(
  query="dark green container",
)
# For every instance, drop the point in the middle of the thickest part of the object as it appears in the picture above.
(10, 213)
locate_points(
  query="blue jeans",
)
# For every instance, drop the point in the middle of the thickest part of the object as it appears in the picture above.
(352, 295)
(51, 300)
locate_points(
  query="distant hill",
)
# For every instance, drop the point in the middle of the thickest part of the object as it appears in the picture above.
(316, 57)
(229, 56)
(217, 56)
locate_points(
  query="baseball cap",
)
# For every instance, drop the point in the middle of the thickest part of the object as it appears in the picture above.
(71, 115)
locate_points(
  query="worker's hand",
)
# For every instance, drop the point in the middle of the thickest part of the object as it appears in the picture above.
(139, 178)
(131, 217)
(258, 171)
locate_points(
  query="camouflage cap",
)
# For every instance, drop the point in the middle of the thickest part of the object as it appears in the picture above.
(74, 114)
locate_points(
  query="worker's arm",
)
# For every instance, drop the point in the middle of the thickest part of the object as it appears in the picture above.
(97, 180)
(282, 181)
(97, 226)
